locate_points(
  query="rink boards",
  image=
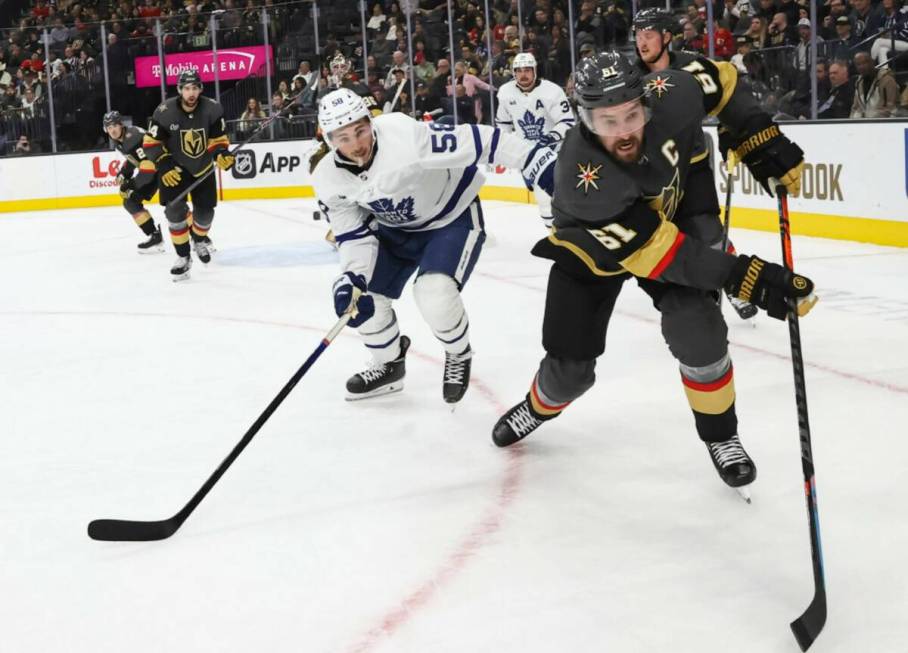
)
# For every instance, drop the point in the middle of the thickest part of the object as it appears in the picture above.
(855, 184)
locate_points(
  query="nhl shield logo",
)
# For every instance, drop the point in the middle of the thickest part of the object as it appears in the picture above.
(244, 167)
(193, 142)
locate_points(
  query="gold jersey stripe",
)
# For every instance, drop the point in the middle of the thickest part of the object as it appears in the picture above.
(728, 80)
(642, 262)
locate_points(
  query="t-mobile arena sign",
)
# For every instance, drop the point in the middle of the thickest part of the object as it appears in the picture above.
(233, 63)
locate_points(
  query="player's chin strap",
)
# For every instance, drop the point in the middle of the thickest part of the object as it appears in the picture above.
(258, 131)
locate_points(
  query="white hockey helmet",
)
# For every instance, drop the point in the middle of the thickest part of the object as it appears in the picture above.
(523, 60)
(340, 108)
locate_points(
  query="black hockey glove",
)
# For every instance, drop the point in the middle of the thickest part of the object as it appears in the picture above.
(127, 188)
(769, 286)
(769, 155)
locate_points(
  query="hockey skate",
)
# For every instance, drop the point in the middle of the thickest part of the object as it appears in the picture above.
(380, 379)
(457, 375)
(181, 267)
(203, 249)
(745, 310)
(154, 243)
(517, 423)
(735, 467)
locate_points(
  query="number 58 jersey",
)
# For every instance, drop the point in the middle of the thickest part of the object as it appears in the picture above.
(422, 176)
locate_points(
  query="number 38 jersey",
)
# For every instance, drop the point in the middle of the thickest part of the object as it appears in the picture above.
(422, 176)
(541, 111)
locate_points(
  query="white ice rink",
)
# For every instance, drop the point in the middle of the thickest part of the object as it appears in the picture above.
(393, 524)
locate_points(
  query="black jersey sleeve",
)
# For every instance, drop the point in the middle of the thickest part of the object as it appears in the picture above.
(218, 141)
(153, 141)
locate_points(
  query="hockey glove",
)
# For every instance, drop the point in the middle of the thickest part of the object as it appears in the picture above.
(127, 188)
(225, 160)
(769, 286)
(349, 295)
(169, 173)
(539, 169)
(769, 155)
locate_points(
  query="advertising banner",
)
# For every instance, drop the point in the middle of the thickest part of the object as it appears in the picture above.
(233, 63)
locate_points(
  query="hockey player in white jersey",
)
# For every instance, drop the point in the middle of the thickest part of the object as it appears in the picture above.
(402, 197)
(537, 110)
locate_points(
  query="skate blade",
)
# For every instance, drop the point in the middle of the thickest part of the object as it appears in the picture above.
(157, 249)
(391, 388)
(180, 277)
(743, 492)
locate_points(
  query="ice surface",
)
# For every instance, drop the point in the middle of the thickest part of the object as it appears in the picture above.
(393, 524)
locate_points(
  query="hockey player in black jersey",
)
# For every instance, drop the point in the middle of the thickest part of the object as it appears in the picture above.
(621, 179)
(188, 136)
(654, 28)
(136, 178)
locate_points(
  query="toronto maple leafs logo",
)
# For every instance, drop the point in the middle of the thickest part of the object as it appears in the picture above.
(532, 128)
(385, 209)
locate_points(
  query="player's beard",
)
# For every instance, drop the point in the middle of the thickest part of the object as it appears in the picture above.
(628, 148)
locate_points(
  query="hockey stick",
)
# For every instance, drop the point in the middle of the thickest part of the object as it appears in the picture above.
(807, 627)
(122, 530)
(258, 131)
(730, 163)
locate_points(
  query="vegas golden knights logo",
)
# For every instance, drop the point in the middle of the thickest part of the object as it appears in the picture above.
(193, 142)
(666, 202)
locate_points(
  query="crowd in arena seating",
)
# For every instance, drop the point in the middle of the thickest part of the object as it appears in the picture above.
(860, 70)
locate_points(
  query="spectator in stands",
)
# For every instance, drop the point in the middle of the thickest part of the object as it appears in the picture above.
(28, 103)
(736, 13)
(41, 10)
(897, 22)
(876, 91)
(781, 33)
(841, 93)
(840, 47)
(723, 41)
(10, 99)
(398, 60)
(766, 9)
(691, 39)
(399, 88)
(423, 67)
(757, 33)
(744, 46)
(59, 34)
(558, 64)
(426, 104)
(836, 8)
(465, 107)
(250, 118)
(589, 22)
(24, 146)
(441, 80)
(791, 9)
(306, 74)
(867, 19)
(472, 84)
(802, 51)
(376, 21)
(284, 89)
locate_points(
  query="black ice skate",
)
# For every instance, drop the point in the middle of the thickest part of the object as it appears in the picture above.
(735, 467)
(180, 269)
(153, 245)
(745, 310)
(380, 379)
(457, 375)
(203, 249)
(517, 423)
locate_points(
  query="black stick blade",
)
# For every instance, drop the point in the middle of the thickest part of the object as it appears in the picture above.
(807, 627)
(121, 530)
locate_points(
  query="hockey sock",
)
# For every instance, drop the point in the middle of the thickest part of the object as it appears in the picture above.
(543, 406)
(710, 391)
(441, 305)
(381, 333)
(179, 235)
(144, 222)
(198, 231)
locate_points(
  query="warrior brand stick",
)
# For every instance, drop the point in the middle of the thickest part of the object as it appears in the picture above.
(807, 627)
(121, 530)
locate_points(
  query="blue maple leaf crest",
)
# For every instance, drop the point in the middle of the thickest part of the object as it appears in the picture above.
(532, 128)
(385, 209)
